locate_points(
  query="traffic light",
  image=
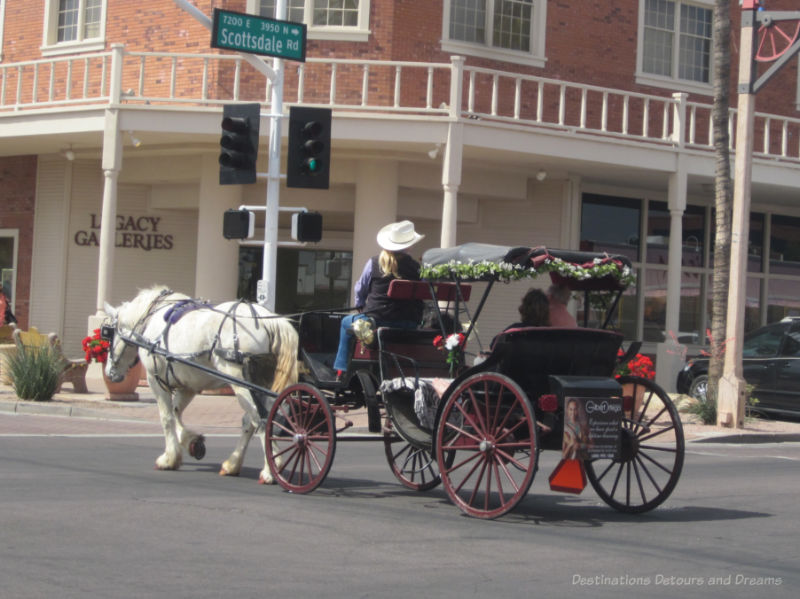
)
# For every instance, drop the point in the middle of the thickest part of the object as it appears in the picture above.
(239, 144)
(307, 226)
(238, 224)
(309, 154)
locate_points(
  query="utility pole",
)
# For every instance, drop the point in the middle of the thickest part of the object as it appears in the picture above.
(770, 42)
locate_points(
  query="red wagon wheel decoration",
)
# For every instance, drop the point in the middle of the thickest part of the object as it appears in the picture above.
(775, 38)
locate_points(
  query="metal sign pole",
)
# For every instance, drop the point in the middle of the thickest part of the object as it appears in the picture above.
(266, 286)
(265, 290)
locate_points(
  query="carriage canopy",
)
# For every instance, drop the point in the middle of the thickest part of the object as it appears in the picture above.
(584, 271)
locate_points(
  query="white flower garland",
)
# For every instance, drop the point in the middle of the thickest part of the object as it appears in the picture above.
(504, 271)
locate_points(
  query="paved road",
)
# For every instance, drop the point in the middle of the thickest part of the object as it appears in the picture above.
(85, 515)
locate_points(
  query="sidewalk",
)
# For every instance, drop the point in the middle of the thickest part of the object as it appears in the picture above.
(222, 414)
(210, 413)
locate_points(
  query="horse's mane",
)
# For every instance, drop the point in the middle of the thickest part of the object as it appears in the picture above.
(137, 307)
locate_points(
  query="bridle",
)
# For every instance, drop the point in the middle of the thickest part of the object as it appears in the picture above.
(110, 331)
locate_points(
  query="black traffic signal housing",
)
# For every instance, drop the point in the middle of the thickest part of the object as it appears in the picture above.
(238, 224)
(309, 154)
(307, 226)
(239, 144)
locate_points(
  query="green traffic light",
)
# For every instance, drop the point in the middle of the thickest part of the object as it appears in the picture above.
(312, 165)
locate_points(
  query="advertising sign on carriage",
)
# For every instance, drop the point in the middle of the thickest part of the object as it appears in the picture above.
(591, 428)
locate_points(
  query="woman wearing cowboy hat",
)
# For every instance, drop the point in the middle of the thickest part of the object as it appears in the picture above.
(372, 288)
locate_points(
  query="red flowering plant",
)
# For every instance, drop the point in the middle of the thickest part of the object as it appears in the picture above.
(452, 345)
(95, 348)
(639, 365)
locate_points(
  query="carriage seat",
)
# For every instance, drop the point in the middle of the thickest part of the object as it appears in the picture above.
(72, 371)
(529, 355)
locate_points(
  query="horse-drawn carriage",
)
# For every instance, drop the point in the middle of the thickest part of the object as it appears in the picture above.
(491, 420)
(479, 429)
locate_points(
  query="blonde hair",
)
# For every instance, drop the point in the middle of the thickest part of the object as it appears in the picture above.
(388, 263)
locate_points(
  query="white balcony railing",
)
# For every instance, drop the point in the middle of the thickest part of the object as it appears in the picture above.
(435, 90)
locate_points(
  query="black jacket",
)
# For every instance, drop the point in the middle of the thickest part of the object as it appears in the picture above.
(379, 306)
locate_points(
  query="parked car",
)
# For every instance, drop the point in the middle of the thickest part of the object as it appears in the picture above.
(770, 362)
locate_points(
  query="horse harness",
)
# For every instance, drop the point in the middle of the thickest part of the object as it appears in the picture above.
(173, 314)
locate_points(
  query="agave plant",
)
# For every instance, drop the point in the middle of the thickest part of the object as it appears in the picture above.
(34, 372)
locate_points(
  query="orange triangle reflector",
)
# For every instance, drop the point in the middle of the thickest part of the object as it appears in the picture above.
(568, 477)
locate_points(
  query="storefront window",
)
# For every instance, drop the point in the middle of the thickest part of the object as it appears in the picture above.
(690, 325)
(658, 227)
(306, 279)
(655, 305)
(7, 272)
(658, 230)
(783, 299)
(610, 224)
(784, 254)
(752, 311)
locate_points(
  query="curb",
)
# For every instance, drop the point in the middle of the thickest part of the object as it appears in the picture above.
(352, 434)
(750, 439)
(44, 408)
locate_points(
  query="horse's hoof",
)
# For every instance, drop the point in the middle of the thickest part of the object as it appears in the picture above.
(223, 472)
(197, 448)
(265, 481)
(163, 463)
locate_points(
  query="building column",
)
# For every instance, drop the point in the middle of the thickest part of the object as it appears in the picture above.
(112, 164)
(669, 354)
(217, 259)
(451, 181)
(375, 207)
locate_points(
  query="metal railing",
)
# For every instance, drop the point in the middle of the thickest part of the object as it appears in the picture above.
(436, 90)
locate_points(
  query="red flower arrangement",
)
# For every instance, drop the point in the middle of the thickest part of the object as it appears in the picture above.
(95, 348)
(639, 365)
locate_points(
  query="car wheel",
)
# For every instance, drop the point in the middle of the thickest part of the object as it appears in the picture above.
(699, 387)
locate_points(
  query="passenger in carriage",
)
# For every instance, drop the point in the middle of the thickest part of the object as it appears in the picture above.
(372, 288)
(534, 311)
(558, 296)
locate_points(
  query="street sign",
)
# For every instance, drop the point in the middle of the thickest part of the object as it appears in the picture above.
(258, 35)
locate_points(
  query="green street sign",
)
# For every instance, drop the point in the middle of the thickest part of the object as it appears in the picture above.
(258, 35)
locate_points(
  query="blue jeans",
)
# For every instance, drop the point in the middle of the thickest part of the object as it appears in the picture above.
(345, 333)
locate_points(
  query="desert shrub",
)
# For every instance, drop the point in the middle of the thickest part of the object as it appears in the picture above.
(34, 372)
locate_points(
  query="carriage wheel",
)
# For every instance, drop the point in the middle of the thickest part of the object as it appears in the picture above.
(414, 467)
(486, 445)
(775, 38)
(368, 395)
(301, 440)
(651, 452)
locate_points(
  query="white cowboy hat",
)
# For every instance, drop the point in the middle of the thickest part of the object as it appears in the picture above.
(398, 236)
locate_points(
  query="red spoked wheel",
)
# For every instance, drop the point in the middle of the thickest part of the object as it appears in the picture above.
(414, 467)
(486, 445)
(301, 438)
(651, 451)
(775, 38)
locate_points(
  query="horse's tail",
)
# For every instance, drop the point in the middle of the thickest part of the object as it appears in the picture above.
(284, 346)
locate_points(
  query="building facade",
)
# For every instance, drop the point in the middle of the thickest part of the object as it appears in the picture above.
(519, 122)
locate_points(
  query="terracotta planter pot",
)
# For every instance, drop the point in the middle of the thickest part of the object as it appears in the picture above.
(125, 390)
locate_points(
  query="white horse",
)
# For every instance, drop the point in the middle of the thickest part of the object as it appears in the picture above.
(243, 340)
